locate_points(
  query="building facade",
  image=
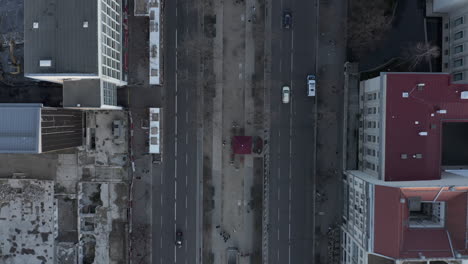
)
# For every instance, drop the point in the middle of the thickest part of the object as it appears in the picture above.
(407, 201)
(70, 41)
(454, 50)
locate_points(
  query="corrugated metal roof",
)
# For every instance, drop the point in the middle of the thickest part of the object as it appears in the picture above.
(20, 128)
(61, 36)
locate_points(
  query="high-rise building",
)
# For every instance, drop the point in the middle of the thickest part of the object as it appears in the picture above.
(78, 43)
(407, 201)
(454, 50)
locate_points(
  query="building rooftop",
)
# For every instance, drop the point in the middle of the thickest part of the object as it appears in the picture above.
(27, 218)
(414, 117)
(409, 223)
(82, 93)
(20, 128)
(63, 32)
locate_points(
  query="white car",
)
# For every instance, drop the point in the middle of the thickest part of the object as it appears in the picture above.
(286, 94)
(310, 85)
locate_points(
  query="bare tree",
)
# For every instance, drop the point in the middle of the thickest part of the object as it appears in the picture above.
(368, 23)
(419, 53)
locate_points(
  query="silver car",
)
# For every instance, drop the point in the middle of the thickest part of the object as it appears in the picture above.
(286, 94)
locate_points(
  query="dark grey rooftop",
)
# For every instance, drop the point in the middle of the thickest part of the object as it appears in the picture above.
(61, 36)
(85, 92)
(19, 128)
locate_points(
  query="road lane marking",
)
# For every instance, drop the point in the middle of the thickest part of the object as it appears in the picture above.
(186, 138)
(292, 50)
(175, 247)
(292, 39)
(186, 202)
(186, 159)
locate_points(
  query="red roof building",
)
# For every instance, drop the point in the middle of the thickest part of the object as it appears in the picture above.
(415, 222)
(408, 199)
(403, 115)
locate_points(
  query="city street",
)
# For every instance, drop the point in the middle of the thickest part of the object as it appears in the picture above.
(175, 189)
(292, 135)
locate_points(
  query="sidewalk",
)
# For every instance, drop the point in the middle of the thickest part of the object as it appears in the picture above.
(234, 213)
(331, 58)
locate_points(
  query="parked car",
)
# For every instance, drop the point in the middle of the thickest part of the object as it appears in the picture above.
(310, 85)
(287, 20)
(179, 238)
(286, 94)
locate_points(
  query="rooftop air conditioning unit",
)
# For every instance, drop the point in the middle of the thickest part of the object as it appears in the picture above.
(464, 95)
(45, 63)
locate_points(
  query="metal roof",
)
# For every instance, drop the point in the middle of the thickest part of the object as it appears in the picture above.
(394, 238)
(60, 36)
(85, 92)
(20, 128)
(414, 115)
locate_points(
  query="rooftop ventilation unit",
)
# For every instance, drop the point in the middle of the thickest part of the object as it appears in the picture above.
(420, 85)
(423, 133)
(464, 95)
(442, 111)
(35, 24)
(85, 24)
(405, 95)
(45, 63)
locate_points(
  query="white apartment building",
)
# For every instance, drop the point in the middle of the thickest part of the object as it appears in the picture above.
(454, 50)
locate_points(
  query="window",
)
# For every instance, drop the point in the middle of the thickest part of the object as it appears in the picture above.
(446, 25)
(458, 76)
(458, 62)
(446, 39)
(446, 52)
(446, 65)
(458, 49)
(458, 21)
(458, 35)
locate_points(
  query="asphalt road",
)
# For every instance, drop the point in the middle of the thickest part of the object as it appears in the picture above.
(175, 189)
(292, 135)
